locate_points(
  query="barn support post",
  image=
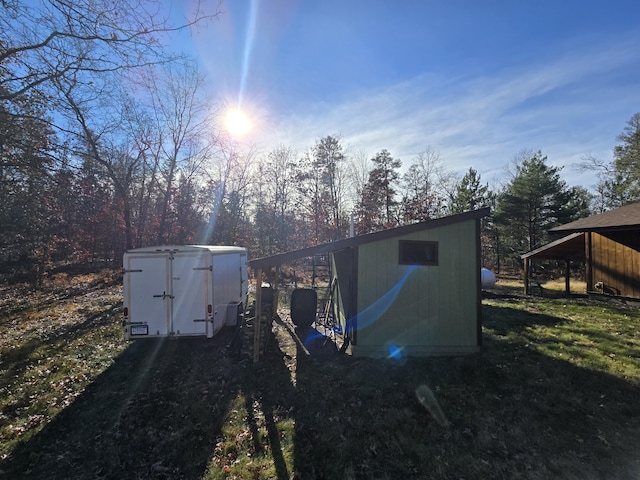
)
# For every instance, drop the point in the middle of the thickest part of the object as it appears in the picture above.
(588, 261)
(276, 290)
(567, 273)
(258, 313)
(526, 276)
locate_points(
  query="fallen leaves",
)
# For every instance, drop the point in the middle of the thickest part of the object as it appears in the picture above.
(50, 350)
(181, 409)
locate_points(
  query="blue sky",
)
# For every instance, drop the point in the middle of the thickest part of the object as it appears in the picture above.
(476, 81)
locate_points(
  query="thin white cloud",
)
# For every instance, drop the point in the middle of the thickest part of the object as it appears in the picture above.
(568, 105)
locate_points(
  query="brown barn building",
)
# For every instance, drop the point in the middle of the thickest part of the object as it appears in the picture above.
(608, 244)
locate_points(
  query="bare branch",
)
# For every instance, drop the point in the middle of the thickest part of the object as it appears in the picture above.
(591, 163)
(90, 37)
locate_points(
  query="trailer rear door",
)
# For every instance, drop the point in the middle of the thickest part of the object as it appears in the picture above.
(146, 294)
(191, 291)
(168, 293)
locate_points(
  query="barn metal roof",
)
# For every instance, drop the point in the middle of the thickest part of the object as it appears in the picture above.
(570, 247)
(623, 218)
(281, 258)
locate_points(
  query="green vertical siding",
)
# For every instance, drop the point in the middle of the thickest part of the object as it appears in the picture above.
(342, 268)
(435, 310)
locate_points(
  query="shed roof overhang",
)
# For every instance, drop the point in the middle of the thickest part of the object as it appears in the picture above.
(279, 259)
(570, 247)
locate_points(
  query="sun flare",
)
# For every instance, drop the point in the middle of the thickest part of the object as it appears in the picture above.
(237, 123)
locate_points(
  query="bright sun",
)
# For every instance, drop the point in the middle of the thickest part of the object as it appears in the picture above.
(237, 122)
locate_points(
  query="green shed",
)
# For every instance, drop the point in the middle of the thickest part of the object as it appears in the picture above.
(408, 291)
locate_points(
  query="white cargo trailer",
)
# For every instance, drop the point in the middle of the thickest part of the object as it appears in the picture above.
(188, 290)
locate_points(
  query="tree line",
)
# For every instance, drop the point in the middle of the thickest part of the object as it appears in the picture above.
(108, 141)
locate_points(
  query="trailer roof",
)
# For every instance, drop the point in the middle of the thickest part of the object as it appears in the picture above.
(188, 248)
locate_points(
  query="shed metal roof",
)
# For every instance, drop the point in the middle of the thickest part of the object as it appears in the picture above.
(281, 258)
(623, 218)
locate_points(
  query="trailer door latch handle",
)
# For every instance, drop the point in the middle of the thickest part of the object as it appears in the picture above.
(163, 296)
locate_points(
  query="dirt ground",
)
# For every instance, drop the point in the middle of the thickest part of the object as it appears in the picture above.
(78, 402)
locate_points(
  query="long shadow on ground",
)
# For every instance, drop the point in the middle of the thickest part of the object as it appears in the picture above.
(513, 412)
(154, 413)
(269, 400)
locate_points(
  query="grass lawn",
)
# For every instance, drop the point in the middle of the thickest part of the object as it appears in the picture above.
(554, 393)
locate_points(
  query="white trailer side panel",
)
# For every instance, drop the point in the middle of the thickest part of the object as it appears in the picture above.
(244, 275)
(227, 286)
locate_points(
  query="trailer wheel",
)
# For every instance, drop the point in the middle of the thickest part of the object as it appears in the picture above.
(303, 306)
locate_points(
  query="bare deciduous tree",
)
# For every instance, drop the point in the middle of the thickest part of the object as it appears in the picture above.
(48, 40)
(425, 187)
(181, 124)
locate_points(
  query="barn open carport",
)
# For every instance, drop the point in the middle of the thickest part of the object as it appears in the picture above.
(609, 245)
(567, 249)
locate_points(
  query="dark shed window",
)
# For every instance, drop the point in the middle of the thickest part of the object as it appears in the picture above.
(418, 252)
